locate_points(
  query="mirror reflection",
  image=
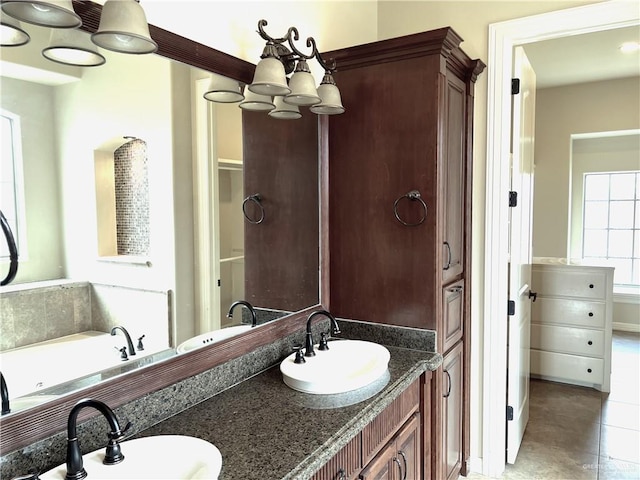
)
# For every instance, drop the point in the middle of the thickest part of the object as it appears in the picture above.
(98, 250)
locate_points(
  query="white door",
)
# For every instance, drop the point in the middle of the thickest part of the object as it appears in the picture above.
(523, 121)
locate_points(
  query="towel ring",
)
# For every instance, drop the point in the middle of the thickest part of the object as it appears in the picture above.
(257, 199)
(413, 195)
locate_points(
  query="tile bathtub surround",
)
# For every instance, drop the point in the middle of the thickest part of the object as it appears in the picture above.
(43, 311)
(163, 404)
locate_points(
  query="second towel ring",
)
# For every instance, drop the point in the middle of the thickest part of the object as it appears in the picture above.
(257, 199)
(413, 195)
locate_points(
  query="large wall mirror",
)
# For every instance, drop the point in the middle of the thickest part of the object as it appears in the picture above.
(200, 251)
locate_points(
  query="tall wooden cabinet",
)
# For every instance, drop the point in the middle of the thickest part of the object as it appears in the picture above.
(400, 199)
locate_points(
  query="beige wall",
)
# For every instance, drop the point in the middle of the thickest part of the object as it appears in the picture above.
(561, 112)
(43, 258)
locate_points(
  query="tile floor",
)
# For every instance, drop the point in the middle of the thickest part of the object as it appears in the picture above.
(579, 433)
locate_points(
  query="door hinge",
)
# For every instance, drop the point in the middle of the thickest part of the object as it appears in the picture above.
(515, 86)
(219, 283)
(511, 307)
(509, 413)
(513, 199)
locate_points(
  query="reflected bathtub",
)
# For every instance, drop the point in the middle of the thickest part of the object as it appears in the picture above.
(30, 369)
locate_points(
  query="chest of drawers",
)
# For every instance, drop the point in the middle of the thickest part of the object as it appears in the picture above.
(571, 324)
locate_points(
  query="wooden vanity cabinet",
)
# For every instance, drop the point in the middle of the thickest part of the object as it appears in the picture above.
(389, 446)
(407, 128)
(400, 459)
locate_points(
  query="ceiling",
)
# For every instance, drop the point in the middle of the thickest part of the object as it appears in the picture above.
(584, 58)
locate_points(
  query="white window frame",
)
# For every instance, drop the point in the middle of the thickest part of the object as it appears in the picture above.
(635, 226)
(19, 226)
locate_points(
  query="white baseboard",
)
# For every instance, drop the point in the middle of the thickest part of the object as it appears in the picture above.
(475, 465)
(626, 327)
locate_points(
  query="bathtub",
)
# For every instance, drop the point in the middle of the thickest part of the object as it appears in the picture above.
(27, 370)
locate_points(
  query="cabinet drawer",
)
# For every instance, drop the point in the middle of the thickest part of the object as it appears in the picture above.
(569, 312)
(567, 367)
(452, 310)
(377, 433)
(578, 341)
(569, 284)
(347, 462)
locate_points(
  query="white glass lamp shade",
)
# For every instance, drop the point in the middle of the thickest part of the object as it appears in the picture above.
(303, 87)
(256, 103)
(223, 90)
(284, 110)
(269, 78)
(73, 47)
(11, 32)
(331, 101)
(54, 13)
(124, 28)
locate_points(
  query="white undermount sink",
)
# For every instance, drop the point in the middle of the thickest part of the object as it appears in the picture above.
(347, 365)
(157, 457)
(211, 337)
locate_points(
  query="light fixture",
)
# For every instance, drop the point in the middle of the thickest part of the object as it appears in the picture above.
(11, 32)
(303, 86)
(223, 90)
(124, 28)
(72, 47)
(256, 103)
(270, 80)
(284, 110)
(54, 13)
(629, 47)
(331, 103)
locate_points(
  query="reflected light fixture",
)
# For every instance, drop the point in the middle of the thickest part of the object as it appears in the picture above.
(124, 28)
(279, 58)
(11, 32)
(256, 103)
(54, 13)
(72, 47)
(223, 90)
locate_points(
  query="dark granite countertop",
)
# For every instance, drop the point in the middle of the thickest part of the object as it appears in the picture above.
(265, 430)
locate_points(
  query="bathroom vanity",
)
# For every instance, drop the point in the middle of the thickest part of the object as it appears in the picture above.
(398, 259)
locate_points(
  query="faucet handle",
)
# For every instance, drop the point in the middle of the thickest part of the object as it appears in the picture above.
(140, 346)
(119, 435)
(299, 355)
(323, 345)
(123, 353)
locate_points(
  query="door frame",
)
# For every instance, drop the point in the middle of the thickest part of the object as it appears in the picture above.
(503, 37)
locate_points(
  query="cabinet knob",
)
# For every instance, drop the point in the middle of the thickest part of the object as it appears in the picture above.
(591, 285)
(591, 314)
(342, 474)
(589, 342)
(589, 370)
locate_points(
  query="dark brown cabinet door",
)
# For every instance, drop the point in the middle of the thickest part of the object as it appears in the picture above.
(400, 459)
(452, 413)
(282, 251)
(453, 182)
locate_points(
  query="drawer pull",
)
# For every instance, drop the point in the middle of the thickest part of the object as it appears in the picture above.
(591, 285)
(589, 370)
(591, 314)
(589, 342)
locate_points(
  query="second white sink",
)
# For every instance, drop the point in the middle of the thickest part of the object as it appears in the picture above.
(211, 337)
(347, 365)
(157, 457)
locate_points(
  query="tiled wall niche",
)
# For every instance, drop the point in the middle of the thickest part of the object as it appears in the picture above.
(122, 198)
